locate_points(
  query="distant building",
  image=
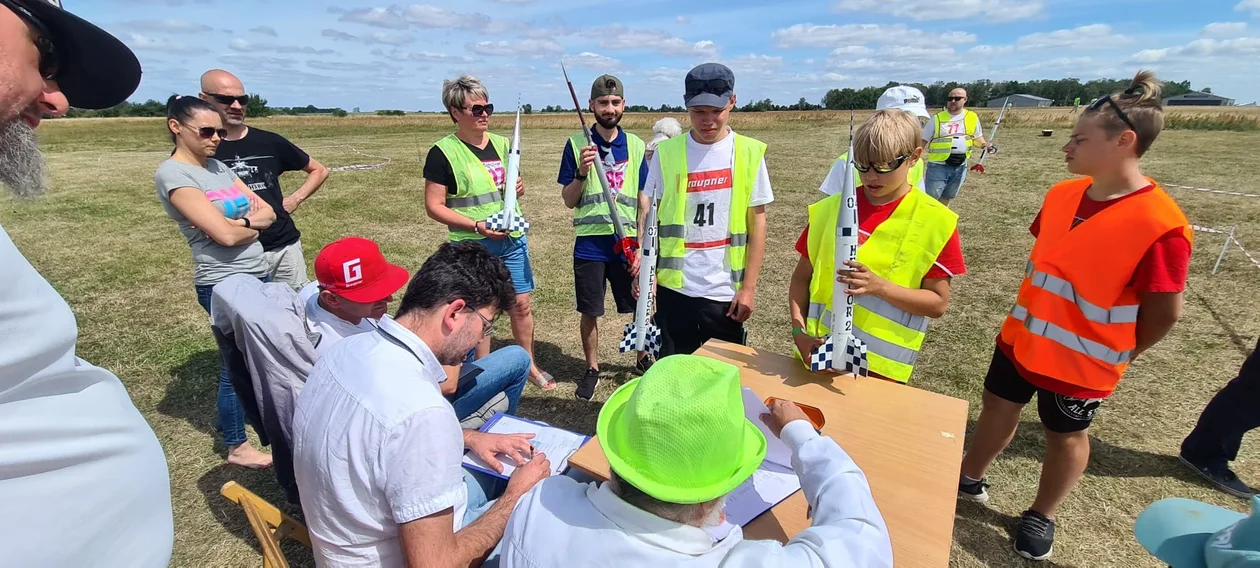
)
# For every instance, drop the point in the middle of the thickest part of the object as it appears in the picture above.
(1020, 101)
(1195, 98)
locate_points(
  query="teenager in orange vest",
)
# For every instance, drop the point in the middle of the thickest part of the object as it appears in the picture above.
(1104, 283)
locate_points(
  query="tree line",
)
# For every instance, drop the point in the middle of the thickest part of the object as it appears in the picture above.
(257, 107)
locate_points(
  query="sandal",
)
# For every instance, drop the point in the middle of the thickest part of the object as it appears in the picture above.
(545, 381)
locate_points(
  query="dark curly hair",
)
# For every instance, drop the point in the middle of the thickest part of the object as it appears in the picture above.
(462, 270)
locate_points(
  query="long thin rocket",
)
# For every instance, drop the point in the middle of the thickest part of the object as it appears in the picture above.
(979, 167)
(842, 351)
(641, 335)
(507, 220)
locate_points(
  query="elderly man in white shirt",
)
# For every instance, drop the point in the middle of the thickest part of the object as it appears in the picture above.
(377, 448)
(678, 444)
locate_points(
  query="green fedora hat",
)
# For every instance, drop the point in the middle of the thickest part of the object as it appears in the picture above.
(678, 433)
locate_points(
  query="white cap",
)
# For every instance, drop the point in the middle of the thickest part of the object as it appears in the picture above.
(903, 97)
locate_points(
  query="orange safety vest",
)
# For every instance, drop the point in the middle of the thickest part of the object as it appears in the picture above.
(1076, 315)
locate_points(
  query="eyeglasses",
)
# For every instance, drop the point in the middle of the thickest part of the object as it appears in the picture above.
(481, 110)
(49, 61)
(487, 324)
(208, 132)
(711, 86)
(1120, 113)
(955, 99)
(883, 168)
(227, 100)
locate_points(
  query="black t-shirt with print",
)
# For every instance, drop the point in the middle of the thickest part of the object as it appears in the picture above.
(437, 168)
(258, 159)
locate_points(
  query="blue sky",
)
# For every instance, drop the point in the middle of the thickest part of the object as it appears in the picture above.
(377, 55)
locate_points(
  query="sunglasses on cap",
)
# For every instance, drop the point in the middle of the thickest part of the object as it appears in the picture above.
(882, 168)
(49, 62)
(227, 100)
(1106, 99)
(481, 110)
(208, 132)
(955, 99)
(710, 86)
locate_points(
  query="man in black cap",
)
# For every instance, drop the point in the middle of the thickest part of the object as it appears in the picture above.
(713, 229)
(73, 448)
(595, 259)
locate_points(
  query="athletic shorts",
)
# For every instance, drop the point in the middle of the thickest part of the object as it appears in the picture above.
(515, 254)
(589, 278)
(1060, 414)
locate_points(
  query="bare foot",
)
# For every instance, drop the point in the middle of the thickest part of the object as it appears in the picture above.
(245, 455)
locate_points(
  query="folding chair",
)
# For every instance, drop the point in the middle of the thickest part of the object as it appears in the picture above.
(269, 524)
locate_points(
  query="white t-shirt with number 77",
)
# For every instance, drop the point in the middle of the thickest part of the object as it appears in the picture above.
(706, 274)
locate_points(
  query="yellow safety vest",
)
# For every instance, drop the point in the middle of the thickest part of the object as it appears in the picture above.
(592, 217)
(672, 155)
(915, 177)
(901, 250)
(476, 195)
(940, 147)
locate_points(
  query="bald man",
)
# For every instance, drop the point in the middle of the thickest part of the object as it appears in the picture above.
(259, 157)
(949, 138)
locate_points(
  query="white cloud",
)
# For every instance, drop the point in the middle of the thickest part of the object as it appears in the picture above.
(851, 51)
(1070, 64)
(1252, 6)
(265, 30)
(662, 42)
(379, 17)
(990, 10)
(1202, 51)
(666, 77)
(334, 65)
(595, 61)
(239, 44)
(387, 38)
(339, 35)
(992, 50)
(430, 16)
(811, 35)
(421, 57)
(1224, 28)
(145, 43)
(166, 26)
(1092, 37)
(755, 64)
(523, 48)
(683, 20)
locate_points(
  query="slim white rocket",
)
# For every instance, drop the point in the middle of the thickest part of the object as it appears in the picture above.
(843, 351)
(979, 167)
(507, 220)
(641, 335)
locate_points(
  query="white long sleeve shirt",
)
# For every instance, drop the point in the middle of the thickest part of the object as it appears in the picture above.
(564, 523)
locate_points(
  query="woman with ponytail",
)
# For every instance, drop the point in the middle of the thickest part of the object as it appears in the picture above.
(1102, 285)
(220, 217)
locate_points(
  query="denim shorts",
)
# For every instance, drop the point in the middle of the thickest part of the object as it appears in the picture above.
(515, 254)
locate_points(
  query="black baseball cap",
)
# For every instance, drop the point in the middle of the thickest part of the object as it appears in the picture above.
(709, 84)
(95, 69)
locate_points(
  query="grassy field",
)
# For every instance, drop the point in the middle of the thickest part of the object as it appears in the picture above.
(103, 241)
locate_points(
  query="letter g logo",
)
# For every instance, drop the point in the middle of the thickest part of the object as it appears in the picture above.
(353, 272)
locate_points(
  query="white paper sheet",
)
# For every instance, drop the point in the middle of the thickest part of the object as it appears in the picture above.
(776, 451)
(559, 445)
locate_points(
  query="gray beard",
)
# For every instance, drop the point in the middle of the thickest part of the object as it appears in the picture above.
(21, 163)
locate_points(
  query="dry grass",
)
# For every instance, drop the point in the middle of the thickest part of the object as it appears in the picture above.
(102, 240)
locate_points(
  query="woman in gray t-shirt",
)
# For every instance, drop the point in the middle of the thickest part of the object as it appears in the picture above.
(220, 217)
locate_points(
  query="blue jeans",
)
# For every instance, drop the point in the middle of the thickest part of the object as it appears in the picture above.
(515, 254)
(231, 415)
(503, 371)
(943, 181)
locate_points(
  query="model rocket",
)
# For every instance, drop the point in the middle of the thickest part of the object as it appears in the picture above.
(641, 335)
(979, 167)
(508, 220)
(842, 351)
(624, 246)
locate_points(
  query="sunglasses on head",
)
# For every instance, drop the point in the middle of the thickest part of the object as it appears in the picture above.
(710, 86)
(1106, 99)
(208, 132)
(49, 61)
(227, 100)
(481, 110)
(882, 168)
(955, 99)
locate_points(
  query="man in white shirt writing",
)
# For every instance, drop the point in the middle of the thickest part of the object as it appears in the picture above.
(678, 443)
(377, 447)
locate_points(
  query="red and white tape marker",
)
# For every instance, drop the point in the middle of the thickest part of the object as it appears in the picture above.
(1216, 191)
(356, 167)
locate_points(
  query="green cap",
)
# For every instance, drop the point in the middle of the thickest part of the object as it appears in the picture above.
(678, 433)
(606, 85)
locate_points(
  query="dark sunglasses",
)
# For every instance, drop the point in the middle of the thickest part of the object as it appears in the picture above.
(49, 61)
(481, 110)
(710, 86)
(955, 99)
(1120, 113)
(227, 100)
(208, 132)
(884, 168)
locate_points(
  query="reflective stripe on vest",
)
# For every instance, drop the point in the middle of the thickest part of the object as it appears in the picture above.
(1063, 289)
(1070, 340)
(672, 158)
(591, 215)
(476, 196)
(940, 147)
(456, 202)
(878, 306)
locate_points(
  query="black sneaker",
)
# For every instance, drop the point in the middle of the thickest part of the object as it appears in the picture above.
(643, 364)
(587, 384)
(1034, 537)
(974, 491)
(1221, 478)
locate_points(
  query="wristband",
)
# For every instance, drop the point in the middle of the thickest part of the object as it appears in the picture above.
(579, 177)
(798, 331)
(246, 220)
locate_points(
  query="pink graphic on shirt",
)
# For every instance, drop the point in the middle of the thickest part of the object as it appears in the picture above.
(497, 172)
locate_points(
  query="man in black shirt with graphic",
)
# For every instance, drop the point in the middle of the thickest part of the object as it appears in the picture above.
(259, 157)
